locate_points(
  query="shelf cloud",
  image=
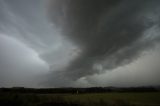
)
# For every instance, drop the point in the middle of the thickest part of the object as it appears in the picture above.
(79, 43)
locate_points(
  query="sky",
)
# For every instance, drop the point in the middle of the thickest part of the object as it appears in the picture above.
(79, 43)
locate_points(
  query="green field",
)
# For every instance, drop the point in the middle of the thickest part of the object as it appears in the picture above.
(97, 99)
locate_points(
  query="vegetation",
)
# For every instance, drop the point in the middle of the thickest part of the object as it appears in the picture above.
(12, 97)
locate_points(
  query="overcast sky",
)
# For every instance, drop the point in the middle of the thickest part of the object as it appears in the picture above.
(79, 43)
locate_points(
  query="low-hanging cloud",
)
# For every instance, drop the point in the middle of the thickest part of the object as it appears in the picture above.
(108, 33)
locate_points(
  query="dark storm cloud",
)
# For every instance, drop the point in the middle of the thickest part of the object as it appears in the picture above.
(108, 32)
(98, 36)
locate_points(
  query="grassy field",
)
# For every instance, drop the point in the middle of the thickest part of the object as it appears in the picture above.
(97, 99)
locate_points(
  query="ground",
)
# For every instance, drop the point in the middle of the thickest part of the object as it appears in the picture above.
(88, 99)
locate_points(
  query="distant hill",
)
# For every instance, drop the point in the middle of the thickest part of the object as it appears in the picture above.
(81, 90)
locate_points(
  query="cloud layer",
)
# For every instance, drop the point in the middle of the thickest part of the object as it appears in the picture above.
(19, 65)
(57, 43)
(108, 33)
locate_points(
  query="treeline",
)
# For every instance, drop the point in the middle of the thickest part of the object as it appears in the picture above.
(78, 90)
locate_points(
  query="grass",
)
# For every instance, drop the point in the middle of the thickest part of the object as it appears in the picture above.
(94, 99)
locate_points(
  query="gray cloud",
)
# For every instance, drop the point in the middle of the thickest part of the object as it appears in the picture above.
(109, 33)
(99, 39)
(26, 21)
(19, 65)
(144, 71)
